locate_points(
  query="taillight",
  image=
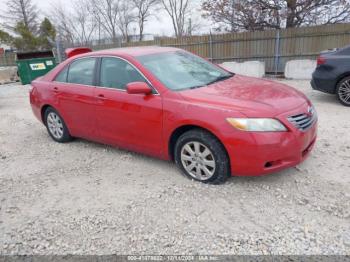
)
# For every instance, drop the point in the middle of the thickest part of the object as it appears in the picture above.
(321, 60)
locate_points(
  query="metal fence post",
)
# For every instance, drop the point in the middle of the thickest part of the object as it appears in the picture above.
(211, 47)
(277, 51)
(6, 61)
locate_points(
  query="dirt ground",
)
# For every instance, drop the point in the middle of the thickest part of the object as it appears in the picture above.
(87, 198)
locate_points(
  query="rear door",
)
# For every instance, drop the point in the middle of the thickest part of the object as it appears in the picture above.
(132, 121)
(74, 88)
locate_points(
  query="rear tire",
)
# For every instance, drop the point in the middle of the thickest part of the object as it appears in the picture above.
(343, 91)
(201, 157)
(56, 126)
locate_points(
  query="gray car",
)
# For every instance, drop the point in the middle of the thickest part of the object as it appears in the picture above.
(332, 74)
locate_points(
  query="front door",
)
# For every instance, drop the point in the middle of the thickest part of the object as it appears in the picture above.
(132, 121)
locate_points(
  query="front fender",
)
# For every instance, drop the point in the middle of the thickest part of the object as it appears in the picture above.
(181, 114)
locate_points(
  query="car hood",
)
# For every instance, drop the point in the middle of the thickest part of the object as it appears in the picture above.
(251, 96)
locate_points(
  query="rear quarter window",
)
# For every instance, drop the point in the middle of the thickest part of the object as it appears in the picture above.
(62, 76)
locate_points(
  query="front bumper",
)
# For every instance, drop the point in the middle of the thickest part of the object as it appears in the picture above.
(267, 152)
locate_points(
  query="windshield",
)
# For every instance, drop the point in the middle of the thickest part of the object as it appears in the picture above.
(181, 70)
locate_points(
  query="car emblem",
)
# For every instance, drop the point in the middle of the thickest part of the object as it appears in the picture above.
(310, 111)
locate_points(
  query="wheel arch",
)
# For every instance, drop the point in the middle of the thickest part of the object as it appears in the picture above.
(183, 129)
(346, 103)
(340, 78)
(43, 110)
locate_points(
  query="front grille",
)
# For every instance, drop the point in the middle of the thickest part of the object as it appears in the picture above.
(304, 121)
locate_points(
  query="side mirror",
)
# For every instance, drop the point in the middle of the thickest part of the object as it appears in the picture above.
(138, 88)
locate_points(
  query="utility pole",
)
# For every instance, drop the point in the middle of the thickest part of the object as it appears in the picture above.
(233, 13)
(189, 30)
(59, 48)
(99, 30)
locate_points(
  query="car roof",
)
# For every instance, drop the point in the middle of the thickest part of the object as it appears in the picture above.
(133, 51)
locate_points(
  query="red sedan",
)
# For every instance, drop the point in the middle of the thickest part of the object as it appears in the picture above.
(173, 105)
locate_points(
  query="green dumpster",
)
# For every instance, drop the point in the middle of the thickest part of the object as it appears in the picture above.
(34, 64)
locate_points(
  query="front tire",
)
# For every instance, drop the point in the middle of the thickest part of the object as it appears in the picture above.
(56, 126)
(202, 157)
(343, 91)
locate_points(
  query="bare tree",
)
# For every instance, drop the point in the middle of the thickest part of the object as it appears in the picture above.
(250, 15)
(125, 18)
(21, 11)
(84, 22)
(178, 10)
(310, 12)
(76, 26)
(144, 10)
(63, 23)
(106, 12)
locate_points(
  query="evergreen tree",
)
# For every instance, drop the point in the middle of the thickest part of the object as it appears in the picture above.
(47, 34)
(26, 41)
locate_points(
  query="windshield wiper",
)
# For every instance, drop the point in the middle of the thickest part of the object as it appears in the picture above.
(220, 78)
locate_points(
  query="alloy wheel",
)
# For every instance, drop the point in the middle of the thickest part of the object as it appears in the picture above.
(55, 125)
(198, 160)
(344, 92)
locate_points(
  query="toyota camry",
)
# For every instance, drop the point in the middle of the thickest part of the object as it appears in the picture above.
(171, 104)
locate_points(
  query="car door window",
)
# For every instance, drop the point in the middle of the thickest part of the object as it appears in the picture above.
(117, 73)
(82, 71)
(62, 76)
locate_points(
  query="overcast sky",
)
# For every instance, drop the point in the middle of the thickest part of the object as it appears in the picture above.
(156, 26)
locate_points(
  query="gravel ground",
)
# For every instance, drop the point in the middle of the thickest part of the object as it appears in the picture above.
(87, 198)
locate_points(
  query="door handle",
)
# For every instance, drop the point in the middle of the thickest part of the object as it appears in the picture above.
(101, 96)
(55, 89)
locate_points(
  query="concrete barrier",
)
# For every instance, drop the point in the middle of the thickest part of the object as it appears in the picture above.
(249, 68)
(8, 74)
(299, 69)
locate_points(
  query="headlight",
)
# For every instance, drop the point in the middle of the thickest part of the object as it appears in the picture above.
(257, 124)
